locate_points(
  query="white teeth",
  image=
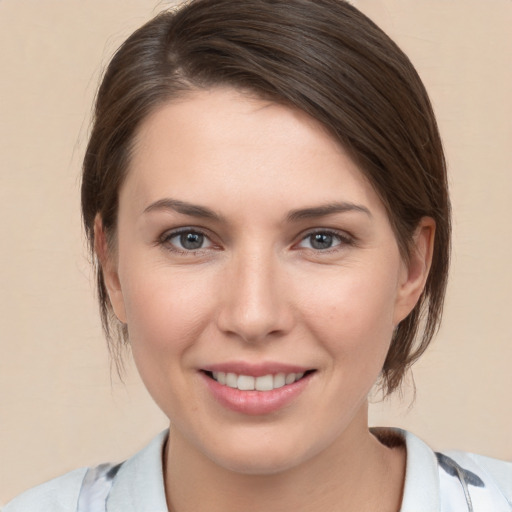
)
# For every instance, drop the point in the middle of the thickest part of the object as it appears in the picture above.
(249, 383)
(245, 383)
(231, 380)
(290, 378)
(265, 383)
(279, 380)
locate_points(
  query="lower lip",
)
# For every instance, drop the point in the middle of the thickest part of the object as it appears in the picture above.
(255, 403)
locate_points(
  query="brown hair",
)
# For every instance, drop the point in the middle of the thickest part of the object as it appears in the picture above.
(323, 57)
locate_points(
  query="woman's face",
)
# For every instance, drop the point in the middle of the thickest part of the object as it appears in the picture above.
(253, 253)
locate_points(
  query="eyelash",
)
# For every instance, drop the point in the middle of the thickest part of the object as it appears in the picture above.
(166, 238)
(343, 240)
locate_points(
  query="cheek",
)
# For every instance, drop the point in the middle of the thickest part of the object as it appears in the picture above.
(165, 309)
(353, 313)
(166, 315)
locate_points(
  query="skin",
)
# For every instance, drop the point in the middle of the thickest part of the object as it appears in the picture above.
(259, 290)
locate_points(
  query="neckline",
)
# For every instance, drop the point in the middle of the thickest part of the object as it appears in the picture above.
(145, 471)
(421, 485)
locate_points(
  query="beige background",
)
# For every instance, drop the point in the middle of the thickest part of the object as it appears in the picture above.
(59, 408)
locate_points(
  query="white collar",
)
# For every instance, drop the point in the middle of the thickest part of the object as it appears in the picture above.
(421, 489)
(139, 485)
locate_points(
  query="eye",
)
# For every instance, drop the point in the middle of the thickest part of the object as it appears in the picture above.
(187, 240)
(323, 240)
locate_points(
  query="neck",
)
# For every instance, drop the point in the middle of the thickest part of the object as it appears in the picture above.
(356, 473)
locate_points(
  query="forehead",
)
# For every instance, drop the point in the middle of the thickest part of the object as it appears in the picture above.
(228, 147)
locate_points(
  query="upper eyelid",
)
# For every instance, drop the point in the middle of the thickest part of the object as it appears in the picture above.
(170, 233)
(344, 235)
(345, 240)
(164, 241)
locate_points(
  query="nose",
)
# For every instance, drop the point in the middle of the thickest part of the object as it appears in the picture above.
(255, 306)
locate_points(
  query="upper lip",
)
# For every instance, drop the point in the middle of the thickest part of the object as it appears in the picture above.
(255, 369)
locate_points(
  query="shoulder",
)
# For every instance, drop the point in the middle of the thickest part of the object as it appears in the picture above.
(451, 480)
(496, 474)
(57, 495)
(133, 486)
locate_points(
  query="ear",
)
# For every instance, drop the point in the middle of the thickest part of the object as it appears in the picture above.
(416, 269)
(108, 263)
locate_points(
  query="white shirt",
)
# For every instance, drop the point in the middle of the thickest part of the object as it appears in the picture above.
(449, 482)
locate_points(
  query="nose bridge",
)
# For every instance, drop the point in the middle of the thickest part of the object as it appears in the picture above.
(255, 305)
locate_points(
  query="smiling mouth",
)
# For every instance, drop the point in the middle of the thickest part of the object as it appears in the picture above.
(249, 383)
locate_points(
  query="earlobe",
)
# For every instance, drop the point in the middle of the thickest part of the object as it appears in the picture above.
(108, 264)
(416, 269)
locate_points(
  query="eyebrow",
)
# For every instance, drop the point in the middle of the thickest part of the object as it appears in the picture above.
(194, 210)
(184, 208)
(324, 210)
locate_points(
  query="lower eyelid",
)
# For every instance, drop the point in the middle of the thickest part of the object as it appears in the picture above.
(166, 238)
(342, 239)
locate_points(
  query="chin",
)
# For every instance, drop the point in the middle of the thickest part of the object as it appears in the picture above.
(259, 463)
(261, 453)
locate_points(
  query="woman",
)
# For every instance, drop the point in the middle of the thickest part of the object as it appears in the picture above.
(265, 192)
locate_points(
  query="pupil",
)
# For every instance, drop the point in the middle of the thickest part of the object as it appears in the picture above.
(191, 241)
(321, 241)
